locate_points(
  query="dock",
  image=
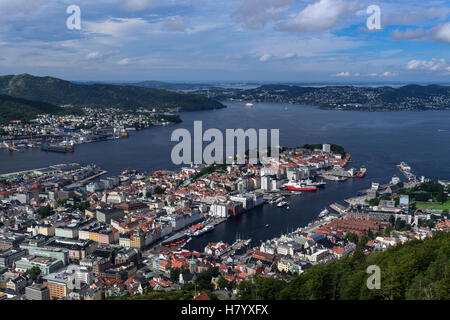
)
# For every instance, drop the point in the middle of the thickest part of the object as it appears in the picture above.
(338, 208)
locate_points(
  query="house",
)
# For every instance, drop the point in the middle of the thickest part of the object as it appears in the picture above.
(187, 278)
(201, 296)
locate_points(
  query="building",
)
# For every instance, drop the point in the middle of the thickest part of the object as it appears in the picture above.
(37, 292)
(46, 264)
(8, 257)
(105, 215)
(219, 210)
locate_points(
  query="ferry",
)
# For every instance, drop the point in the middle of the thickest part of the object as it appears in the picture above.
(361, 173)
(295, 186)
(204, 230)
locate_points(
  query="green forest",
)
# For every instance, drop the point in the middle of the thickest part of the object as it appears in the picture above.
(12, 108)
(60, 92)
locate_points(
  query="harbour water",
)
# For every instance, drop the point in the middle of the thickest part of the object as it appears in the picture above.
(376, 140)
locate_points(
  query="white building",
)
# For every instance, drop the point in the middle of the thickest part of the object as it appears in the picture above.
(219, 210)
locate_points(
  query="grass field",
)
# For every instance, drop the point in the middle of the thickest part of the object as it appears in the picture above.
(445, 205)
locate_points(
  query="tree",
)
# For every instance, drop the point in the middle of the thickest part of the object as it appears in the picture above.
(352, 237)
(45, 211)
(175, 274)
(34, 272)
(392, 220)
(222, 283)
(158, 190)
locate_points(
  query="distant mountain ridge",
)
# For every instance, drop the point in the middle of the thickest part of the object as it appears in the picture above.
(61, 92)
(408, 97)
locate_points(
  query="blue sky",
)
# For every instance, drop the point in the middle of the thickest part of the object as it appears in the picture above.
(233, 40)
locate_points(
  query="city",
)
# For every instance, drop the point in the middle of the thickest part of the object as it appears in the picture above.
(224, 159)
(64, 236)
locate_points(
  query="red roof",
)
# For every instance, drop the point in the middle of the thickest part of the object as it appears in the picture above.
(202, 296)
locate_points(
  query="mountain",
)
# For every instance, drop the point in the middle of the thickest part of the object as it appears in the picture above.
(172, 86)
(12, 108)
(61, 92)
(409, 97)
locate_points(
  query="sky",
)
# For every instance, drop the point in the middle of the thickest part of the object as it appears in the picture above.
(232, 40)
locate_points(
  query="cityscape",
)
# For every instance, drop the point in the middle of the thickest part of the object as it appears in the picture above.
(254, 151)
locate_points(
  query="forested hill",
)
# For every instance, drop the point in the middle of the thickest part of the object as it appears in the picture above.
(60, 92)
(408, 97)
(417, 270)
(12, 108)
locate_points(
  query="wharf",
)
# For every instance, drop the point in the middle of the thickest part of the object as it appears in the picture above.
(85, 181)
(338, 208)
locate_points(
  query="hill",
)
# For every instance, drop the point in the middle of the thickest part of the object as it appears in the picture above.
(409, 97)
(416, 270)
(60, 92)
(12, 108)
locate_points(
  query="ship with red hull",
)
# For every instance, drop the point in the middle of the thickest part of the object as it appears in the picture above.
(57, 148)
(294, 186)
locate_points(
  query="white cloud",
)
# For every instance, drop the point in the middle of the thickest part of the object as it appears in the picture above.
(431, 65)
(118, 27)
(254, 14)
(441, 33)
(266, 57)
(342, 74)
(124, 61)
(138, 5)
(387, 74)
(176, 23)
(320, 15)
(14, 7)
(97, 55)
(409, 34)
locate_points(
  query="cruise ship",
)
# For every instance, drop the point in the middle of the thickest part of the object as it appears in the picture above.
(204, 230)
(298, 186)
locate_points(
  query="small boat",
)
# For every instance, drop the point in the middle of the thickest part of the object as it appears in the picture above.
(267, 225)
(282, 204)
(361, 173)
(249, 105)
(323, 213)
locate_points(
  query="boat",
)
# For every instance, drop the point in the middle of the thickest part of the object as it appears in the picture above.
(295, 186)
(267, 225)
(249, 105)
(204, 230)
(361, 173)
(323, 213)
(57, 148)
(282, 204)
